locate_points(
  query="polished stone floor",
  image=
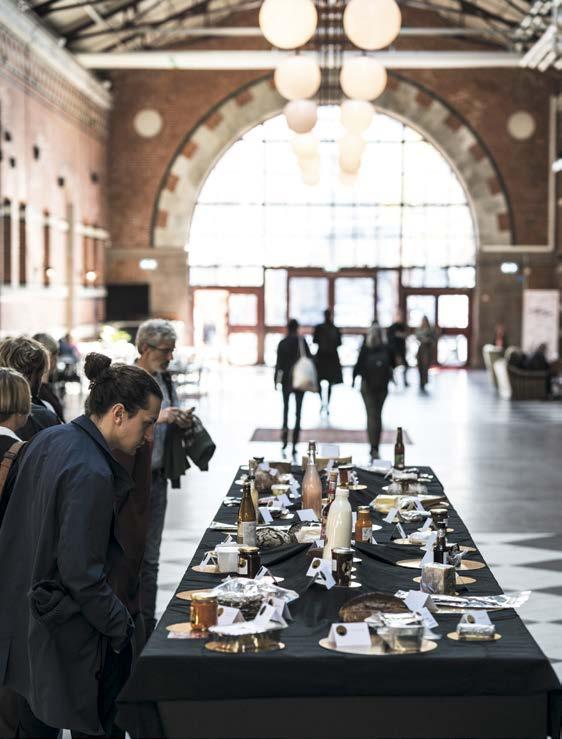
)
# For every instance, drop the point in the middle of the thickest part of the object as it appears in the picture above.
(499, 462)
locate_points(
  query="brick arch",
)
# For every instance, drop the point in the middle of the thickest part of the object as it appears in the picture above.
(251, 105)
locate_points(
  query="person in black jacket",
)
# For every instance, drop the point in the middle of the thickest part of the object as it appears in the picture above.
(47, 392)
(397, 334)
(374, 366)
(327, 337)
(289, 351)
(31, 359)
(66, 636)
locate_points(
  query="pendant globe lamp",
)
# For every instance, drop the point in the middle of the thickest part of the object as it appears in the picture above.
(288, 24)
(306, 146)
(372, 24)
(301, 115)
(356, 115)
(362, 78)
(297, 77)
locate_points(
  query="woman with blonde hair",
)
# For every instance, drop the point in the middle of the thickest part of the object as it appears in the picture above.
(31, 359)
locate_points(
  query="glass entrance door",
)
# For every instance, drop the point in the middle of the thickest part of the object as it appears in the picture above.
(449, 312)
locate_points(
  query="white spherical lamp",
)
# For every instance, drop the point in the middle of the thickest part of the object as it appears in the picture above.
(301, 115)
(306, 146)
(350, 165)
(372, 24)
(356, 115)
(362, 78)
(288, 23)
(310, 165)
(347, 179)
(312, 179)
(297, 78)
(352, 147)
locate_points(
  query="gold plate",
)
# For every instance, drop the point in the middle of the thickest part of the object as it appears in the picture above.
(229, 648)
(455, 637)
(460, 580)
(376, 648)
(186, 594)
(415, 564)
(407, 542)
(187, 632)
(208, 569)
(357, 487)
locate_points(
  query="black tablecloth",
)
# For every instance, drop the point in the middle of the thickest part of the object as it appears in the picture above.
(171, 669)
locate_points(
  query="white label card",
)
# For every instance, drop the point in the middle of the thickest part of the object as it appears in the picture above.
(265, 514)
(228, 540)
(307, 514)
(480, 617)
(269, 613)
(416, 600)
(321, 571)
(400, 529)
(350, 635)
(209, 559)
(263, 572)
(319, 543)
(391, 515)
(427, 558)
(428, 621)
(419, 506)
(282, 500)
(426, 524)
(227, 615)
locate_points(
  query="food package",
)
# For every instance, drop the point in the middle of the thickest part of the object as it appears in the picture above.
(438, 578)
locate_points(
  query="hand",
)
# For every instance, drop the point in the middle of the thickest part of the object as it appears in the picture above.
(184, 419)
(168, 415)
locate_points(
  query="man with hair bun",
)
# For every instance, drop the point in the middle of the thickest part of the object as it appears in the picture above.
(66, 636)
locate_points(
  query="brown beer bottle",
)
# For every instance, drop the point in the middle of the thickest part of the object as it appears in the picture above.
(399, 457)
(246, 518)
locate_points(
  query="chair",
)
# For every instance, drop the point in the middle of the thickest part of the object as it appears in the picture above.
(491, 354)
(519, 384)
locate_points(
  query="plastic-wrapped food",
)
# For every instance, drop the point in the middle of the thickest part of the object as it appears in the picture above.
(271, 537)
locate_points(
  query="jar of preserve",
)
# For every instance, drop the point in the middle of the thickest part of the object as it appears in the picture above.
(203, 611)
(363, 525)
(249, 562)
(342, 563)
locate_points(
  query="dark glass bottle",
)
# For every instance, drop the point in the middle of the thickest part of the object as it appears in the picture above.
(246, 534)
(399, 456)
(440, 549)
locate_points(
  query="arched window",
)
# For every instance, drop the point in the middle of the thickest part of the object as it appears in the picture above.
(7, 242)
(408, 208)
(22, 246)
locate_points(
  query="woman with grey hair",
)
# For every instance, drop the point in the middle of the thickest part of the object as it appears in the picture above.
(156, 342)
(374, 366)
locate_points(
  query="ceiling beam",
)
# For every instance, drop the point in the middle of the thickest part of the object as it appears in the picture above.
(208, 60)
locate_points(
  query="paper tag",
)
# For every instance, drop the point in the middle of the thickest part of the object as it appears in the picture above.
(307, 514)
(391, 515)
(480, 617)
(269, 613)
(401, 533)
(265, 514)
(428, 621)
(263, 572)
(281, 607)
(426, 524)
(319, 543)
(416, 600)
(321, 571)
(228, 540)
(282, 500)
(350, 635)
(428, 556)
(210, 558)
(227, 615)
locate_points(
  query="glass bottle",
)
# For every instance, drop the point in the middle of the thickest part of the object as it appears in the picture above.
(332, 484)
(252, 467)
(311, 483)
(339, 523)
(399, 455)
(246, 518)
(440, 550)
(363, 525)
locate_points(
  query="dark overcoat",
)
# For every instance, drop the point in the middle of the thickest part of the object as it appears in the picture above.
(328, 338)
(59, 615)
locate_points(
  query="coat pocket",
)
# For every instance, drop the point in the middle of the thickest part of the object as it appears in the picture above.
(51, 604)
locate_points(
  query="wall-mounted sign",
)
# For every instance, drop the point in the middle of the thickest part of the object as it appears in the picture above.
(541, 321)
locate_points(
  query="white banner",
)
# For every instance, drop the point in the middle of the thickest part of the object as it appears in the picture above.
(541, 317)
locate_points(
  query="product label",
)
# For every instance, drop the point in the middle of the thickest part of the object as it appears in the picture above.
(399, 460)
(248, 531)
(366, 533)
(242, 566)
(334, 565)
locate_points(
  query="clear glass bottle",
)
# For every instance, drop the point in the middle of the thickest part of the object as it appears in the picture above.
(311, 483)
(339, 523)
(246, 533)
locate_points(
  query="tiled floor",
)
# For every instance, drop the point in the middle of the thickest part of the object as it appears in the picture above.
(499, 462)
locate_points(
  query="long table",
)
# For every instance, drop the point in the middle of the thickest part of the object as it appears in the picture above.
(504, 689)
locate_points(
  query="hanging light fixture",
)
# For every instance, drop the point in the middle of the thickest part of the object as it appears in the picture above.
(288, 24)
(352, 147)
(350, 165)
(306, 146)
(356, 115)
(297, 77)
(301, 115)
(362, 78)
(372, 24)
(347, 179)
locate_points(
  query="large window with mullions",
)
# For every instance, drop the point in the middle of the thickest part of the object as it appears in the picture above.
(408, 209)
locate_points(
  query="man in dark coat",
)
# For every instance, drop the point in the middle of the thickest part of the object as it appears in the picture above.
(327, 337)
(289, 351)
(65, 641)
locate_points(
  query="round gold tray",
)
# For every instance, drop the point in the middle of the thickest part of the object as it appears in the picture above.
(407, 542)
(209, 569)
(455, 637)
(186, 594)
(415, 564)
(187, 632)
(460, 580)
(240, 647)
(377, 648)
(360, 486)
